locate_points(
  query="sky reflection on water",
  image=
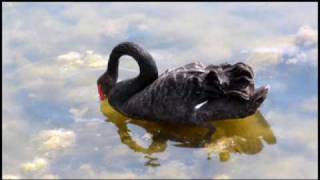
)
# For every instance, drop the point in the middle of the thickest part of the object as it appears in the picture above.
(53, 53)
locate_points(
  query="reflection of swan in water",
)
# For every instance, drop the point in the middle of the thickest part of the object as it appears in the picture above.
(232, 136)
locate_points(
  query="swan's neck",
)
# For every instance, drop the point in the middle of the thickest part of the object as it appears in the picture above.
(122, 91)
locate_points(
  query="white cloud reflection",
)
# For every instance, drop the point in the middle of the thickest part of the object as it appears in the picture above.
(10, 176)
(298, 48)
(221, 176)
(310, 105)
(56, 139)
(35, 165)
(307, 37)
(88, 172)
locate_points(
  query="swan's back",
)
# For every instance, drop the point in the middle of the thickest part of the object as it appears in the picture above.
(172, 97)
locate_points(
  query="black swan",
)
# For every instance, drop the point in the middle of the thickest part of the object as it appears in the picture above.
(193, 94)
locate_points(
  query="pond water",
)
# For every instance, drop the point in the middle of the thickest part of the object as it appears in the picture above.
(54, 125)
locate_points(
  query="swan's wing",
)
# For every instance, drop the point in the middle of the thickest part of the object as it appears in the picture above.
(172, 97)
(188, 68)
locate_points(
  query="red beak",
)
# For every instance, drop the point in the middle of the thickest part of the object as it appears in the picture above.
(101, 94)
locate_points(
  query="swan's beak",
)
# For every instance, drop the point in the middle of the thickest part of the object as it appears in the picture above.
(101, 93)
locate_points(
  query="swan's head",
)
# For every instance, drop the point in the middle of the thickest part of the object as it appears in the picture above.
(104, 84)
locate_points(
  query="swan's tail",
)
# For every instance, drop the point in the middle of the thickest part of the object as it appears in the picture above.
(259, 96)
(229, 80)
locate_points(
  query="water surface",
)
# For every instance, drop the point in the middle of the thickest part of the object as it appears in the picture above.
(53, 54)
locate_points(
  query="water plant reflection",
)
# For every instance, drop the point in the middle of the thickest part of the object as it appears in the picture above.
(242, 136)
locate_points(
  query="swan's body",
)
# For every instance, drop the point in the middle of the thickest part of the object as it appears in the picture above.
(193, 94)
